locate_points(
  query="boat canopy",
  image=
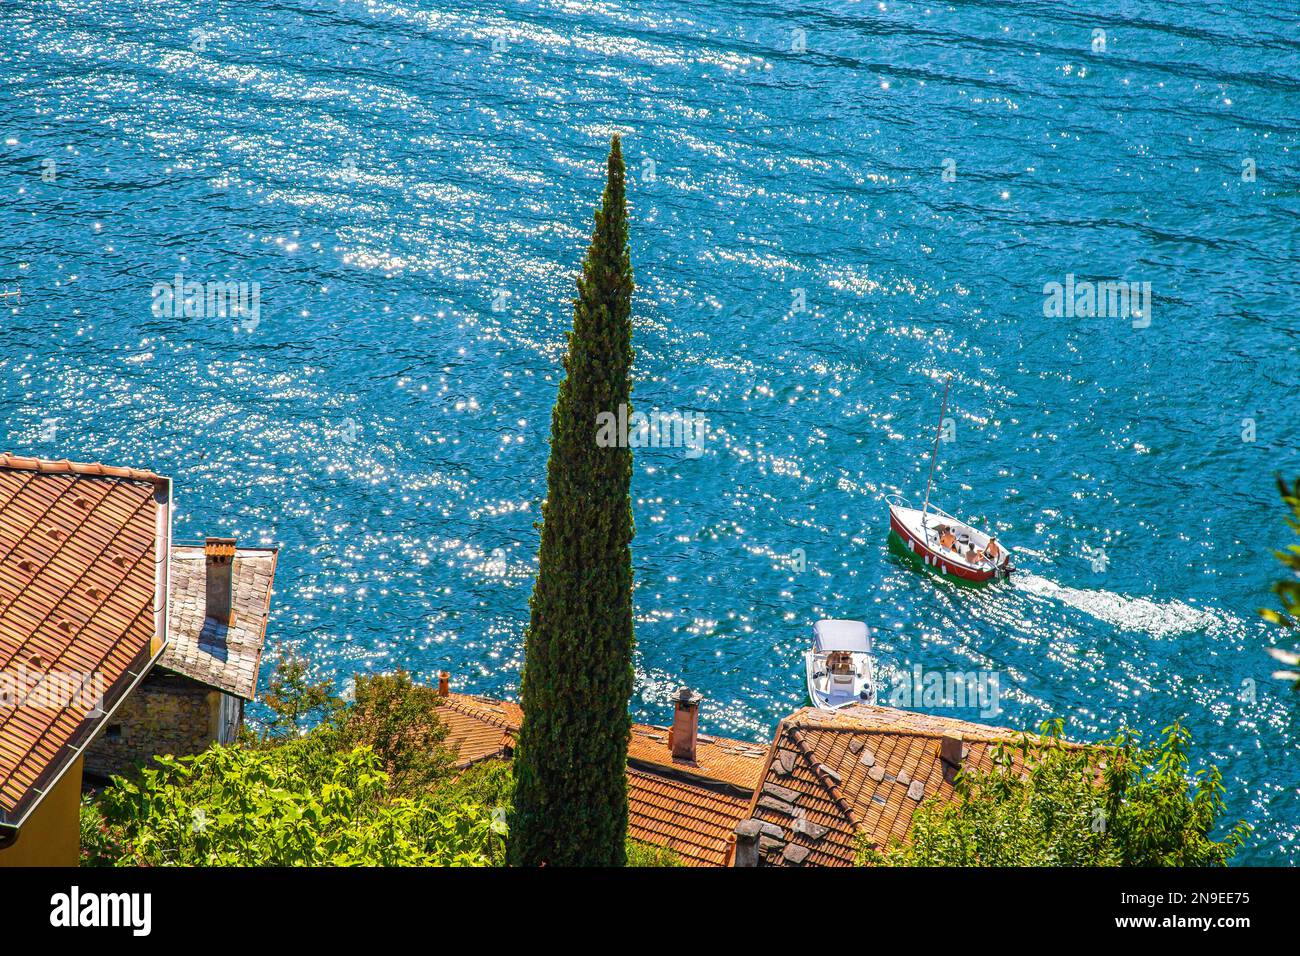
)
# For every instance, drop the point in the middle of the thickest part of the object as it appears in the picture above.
(842, 636)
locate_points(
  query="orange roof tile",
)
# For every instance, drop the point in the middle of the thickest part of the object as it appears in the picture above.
(83, 557)
(479, 728)
(692, 820)
(716, 758)
(831, 776)
(690, 808)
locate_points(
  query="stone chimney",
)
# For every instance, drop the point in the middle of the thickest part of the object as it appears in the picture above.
(444, 683)
(686, 724)
(746, 850)
(219, 556)
(950, 754)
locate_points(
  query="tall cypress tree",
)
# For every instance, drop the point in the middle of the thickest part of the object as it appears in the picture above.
(570, 802)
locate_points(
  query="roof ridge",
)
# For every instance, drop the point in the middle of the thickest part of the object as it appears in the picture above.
(688, 776)
(819, 771)
(467, 704)
(66, 467)
(986, 736)
(710, 739)
(905, 731)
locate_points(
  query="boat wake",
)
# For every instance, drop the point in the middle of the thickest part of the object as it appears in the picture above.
(1129, 613)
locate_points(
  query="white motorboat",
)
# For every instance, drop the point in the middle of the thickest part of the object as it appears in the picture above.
(839, 665)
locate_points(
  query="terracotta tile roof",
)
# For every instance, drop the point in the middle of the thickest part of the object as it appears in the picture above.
(479, 728)
(691, 808)
(83, 556)
(864, 769)
(693, 820)
(226, 658)
(716, 758)
(95, 470)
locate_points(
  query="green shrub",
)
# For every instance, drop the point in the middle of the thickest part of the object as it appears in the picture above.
(398, 719)
(489, 784)
(288, 807)
(1288, 589)
(1125, 803)
(647, 854)
(293, 699)
(370, 784)
(99, 843)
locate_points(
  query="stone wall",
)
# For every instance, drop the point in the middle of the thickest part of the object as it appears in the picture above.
(166, 714)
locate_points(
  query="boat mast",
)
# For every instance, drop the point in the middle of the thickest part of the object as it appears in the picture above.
(934, 454)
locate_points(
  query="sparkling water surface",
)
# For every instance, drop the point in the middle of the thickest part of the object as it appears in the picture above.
(411, 186)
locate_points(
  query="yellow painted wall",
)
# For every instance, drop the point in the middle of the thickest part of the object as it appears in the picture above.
(52, 834)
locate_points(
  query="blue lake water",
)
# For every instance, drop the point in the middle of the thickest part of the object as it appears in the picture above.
(410, 184)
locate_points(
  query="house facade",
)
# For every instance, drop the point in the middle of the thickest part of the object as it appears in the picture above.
(83, 618)
(115, 644)
(196, 693)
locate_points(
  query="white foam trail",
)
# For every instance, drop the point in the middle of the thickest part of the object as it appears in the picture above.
(1129, 613)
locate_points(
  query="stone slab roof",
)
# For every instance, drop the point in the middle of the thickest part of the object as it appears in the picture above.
(224, 657)
(831, 776)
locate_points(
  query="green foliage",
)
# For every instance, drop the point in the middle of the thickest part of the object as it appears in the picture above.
(294, 699)
(489, 783)
(1288, 589)
(398, 719)
(390, 713)
(371, 784)
(647, 854)
(99, 842)
(1123, 804)
(288, 806)
(570, 801)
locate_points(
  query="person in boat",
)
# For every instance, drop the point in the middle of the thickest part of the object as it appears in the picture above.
(947, 538)
(993, 552)
(839, 662)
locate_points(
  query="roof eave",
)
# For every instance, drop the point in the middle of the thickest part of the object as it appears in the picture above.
(696, 778)
(177, 671)
(70, 760)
